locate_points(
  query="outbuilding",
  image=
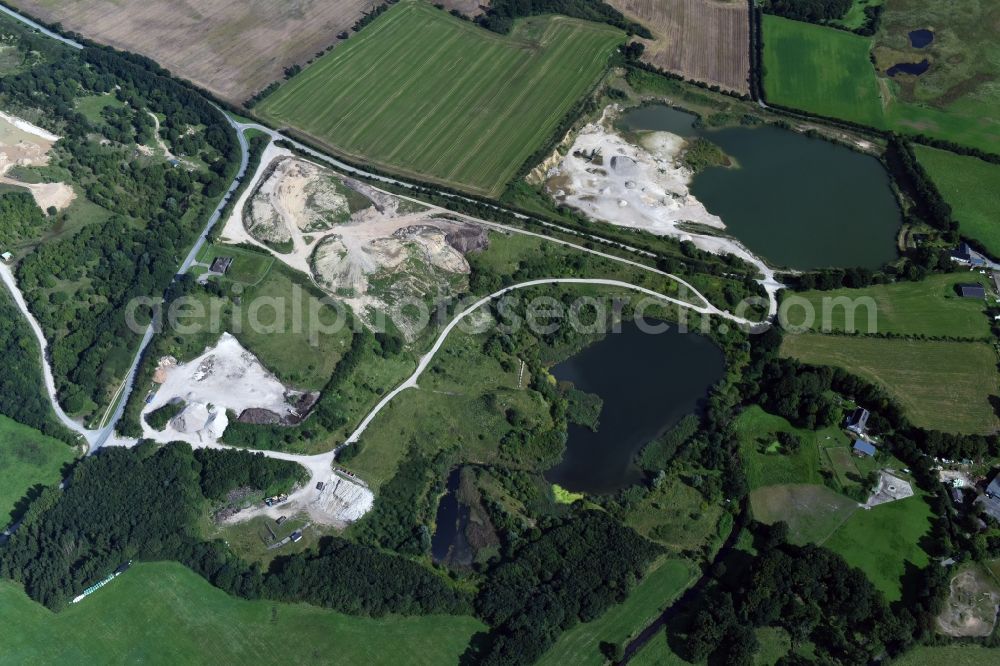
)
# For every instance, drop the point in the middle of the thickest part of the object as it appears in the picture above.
(863, 448)
(858, 420)
(971, 290)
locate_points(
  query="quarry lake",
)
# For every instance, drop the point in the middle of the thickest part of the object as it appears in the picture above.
(796, 201)
(648, 383)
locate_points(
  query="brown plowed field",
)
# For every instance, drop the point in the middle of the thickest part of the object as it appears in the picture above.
(705, 40)
(231, 47)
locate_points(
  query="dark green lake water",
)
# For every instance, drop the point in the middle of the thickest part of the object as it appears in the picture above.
(648, 383)
(793, 200)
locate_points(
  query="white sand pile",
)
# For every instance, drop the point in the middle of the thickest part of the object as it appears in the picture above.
(633, 186)
(644, 187)
(225, 377)
(341, 501)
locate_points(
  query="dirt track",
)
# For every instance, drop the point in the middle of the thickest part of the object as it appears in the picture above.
(231, 47)
(705, 40)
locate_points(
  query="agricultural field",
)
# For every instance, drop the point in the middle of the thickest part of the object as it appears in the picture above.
(829, 72)
(820, 70)
(884, 541)
(972, 189)
(232, 48)
(173, 616)
(656, 591)
(27, 458)
(930, 307)
(704, 40)
(394, 96)
(941, 385)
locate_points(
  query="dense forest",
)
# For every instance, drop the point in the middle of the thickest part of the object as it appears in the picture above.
(20, 219)
(22, 392)
(501, 14)
(572, 572)
(145, 503)
(814, 11)
(806, 590)
(79, 283)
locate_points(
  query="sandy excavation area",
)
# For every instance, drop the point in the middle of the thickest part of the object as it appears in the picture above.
(343, 499)
(642, 186)
(24, 144)
(972, 606)
(370, 249)
(224, 378)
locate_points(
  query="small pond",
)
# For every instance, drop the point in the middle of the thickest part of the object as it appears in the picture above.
(648, 383)
(914, 68)
(921, 38)
(793, 200)
(449, 542)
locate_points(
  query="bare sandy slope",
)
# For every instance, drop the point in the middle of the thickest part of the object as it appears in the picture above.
(23, 144)
(705, 40)
(640, 186)
(375, 258)
(231, 47)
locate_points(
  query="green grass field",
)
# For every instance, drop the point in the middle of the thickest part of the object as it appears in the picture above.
(829, 72)
(855, 16)
(882, 540)
(972, 189)
(425, 94)
(581, 644)
(163, 613)
(27, 458)
(953, 655)
(941, 385)
(248, 267)
(820, 70)
(929, 307)
(677, 516)
(813, 512)
(757, 431)
(463, 399)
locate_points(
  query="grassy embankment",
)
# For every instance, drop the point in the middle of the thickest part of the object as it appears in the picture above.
(27, 458)
(581, 644)
(972, 189)
(162, 613)
(392, 96)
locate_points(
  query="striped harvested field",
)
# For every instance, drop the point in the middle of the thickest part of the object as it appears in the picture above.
(422, 93)
(705, 40)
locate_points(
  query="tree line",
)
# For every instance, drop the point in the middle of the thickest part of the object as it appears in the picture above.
(145, 503)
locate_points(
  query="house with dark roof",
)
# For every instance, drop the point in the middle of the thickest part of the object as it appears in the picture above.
(991, 500)
(971, 290)
(964, 254)
(221, 265)
(858, 420)
(863, 448)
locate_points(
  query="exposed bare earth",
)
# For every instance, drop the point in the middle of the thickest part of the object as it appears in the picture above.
(231, 47)
(705, 40)
(376, 257)
(972, 605)
(23, 144)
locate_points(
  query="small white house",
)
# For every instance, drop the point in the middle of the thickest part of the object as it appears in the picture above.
(6, 256)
